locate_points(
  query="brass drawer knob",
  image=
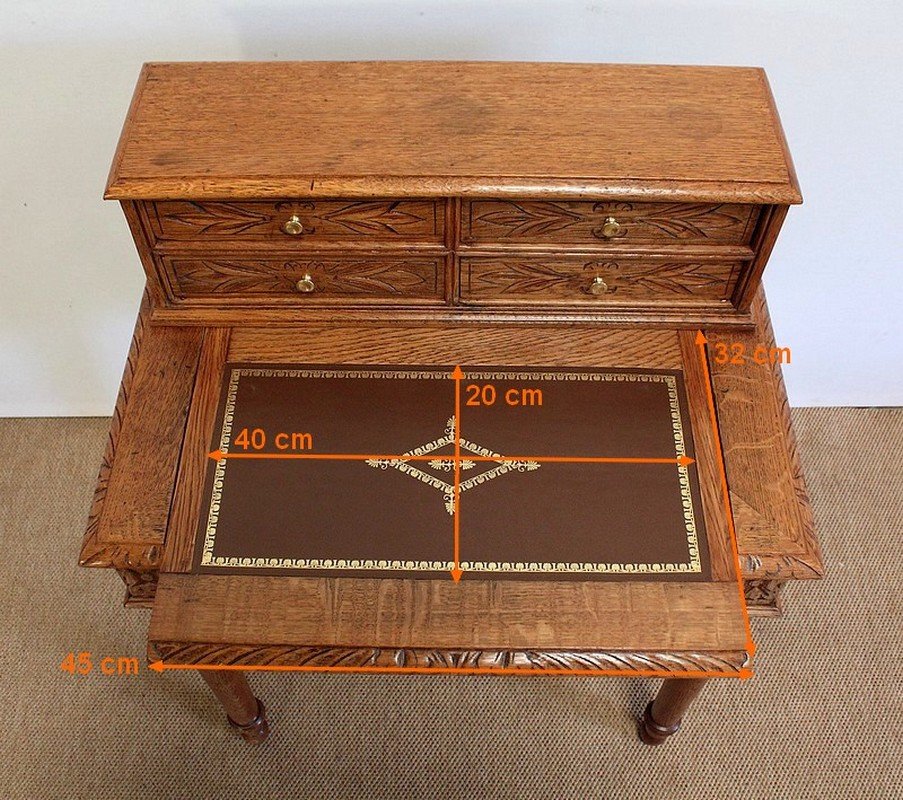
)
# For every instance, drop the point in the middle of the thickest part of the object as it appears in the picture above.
(598, 286)
(610, 228)
(293, 227)
(306, 285)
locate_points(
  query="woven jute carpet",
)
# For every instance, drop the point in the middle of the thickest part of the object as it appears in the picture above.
(820, 719)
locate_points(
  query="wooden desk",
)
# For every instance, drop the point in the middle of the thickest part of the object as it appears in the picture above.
(440, 214)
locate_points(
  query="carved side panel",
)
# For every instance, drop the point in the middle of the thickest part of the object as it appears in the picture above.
(93, 553)
(319, 219)
(520, 660)
(556, 279)
(488, 221)
(768, 492)
(413, 278)
(140, 587)
(763, 597)
(137, 559)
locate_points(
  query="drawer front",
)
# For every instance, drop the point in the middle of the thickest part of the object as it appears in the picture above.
(306, 280)
(588, 223)
(298, 220)
(554, 280)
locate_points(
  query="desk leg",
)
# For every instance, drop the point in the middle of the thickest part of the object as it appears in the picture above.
(244, 711)
(663, 715)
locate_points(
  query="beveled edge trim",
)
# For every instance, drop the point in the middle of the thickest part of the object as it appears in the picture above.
(201, 187)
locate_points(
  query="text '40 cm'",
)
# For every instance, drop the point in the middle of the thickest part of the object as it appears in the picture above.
(256, 439)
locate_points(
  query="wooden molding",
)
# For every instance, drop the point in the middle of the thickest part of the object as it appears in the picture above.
(427, 658)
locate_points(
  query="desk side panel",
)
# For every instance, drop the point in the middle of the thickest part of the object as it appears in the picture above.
(772, 512)
(128, 518)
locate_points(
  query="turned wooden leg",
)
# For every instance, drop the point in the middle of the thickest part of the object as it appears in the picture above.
(244, 711)
(663, 715)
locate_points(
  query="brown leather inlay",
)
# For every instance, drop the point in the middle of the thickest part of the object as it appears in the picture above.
(528, 519)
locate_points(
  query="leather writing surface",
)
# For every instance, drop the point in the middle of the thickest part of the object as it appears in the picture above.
(521, 516)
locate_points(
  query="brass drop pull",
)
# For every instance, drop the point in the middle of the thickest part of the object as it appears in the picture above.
(293, 226)
(610, 228)
(598, 286)
(306, 285)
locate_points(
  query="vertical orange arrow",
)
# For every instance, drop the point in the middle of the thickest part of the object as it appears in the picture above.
(457, 571)
(701, 342)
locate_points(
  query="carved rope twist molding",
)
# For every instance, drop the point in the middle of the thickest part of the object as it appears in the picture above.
(429, 658)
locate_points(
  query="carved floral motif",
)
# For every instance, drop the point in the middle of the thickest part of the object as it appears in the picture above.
(543, 219)
(217, 219)
(358, 218)
(524, 277)
(763, 595)
(341, 277)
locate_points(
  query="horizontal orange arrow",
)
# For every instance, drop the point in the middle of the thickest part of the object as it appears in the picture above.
(160, 666)
(683, 461)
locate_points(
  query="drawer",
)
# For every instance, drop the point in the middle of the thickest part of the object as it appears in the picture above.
(298, 220)
(589, 223)
(305, 280)
(563, 280)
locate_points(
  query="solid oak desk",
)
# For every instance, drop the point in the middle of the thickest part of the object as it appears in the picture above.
(427, 215)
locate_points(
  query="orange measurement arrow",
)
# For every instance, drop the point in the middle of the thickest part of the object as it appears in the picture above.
(683, 461)
(160, 666)
(457, 376)
(701, 342)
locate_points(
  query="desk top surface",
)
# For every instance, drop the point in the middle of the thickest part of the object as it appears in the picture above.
(277, 129)
(312, 561)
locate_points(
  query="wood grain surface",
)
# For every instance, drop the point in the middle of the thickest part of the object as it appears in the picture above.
(442, 614)
(581, 222)
(721, 553)
(273, 278)
(320, 220)
(150, 437)
(547, 280)
(295, 129)
(382, 314)
(187, 499)
(768, 491)
(565, 346)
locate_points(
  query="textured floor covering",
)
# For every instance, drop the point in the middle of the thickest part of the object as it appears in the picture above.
(821, 719)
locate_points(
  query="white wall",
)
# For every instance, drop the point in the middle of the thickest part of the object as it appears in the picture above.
(70, 279)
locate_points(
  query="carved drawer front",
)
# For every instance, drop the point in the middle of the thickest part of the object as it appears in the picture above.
(298, 220)
(589, 223)
(307, 280)
(561, 280)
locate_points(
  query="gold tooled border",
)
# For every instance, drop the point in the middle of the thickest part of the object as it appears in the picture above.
(208, 559)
